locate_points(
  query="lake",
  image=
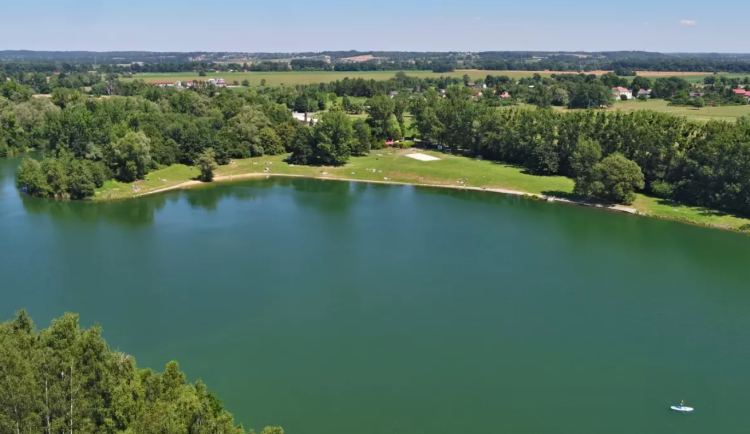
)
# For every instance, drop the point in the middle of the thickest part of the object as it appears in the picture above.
(338, 308)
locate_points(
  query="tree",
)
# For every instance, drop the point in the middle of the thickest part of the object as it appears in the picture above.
(640, 82)
(615, 180)
(263, 82)
(362, 137)
(541, 97)
(302, 146)
(271, 142)
(380, 110)
(246, 83)
(131, 156)
(66, 380)
(206, 163)
(560, 96)
(82, 183)
(333, 139)
(583, 160)
(31, 178)
(590, 95)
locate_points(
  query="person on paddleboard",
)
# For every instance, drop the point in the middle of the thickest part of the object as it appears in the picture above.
(682, 403)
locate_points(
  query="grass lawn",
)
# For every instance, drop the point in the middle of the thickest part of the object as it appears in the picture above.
(397, 167)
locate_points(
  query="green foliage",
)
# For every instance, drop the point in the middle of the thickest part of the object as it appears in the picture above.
(333, 139)
(66, 379)
(668, 86)
(381, 109)
(63, 177)
(271, 142)
(32, 179)
(362, 138)
(206, 163)
(614, 179)
(590, 95)
(15, 92)
(132, 156)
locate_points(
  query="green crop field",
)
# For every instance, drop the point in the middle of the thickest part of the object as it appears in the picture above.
(309, 77)
(659, 105)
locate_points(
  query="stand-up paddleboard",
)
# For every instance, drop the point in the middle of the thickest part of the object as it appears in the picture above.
(682, 409)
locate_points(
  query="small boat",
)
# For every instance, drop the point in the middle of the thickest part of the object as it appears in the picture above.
(682, 408)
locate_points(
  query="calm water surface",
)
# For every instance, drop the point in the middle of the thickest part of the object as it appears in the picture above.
(338, 308)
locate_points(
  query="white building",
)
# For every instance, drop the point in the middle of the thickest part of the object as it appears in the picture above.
(618, 92)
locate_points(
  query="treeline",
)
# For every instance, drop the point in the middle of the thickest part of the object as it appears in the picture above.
(92, 140)
(572, 63)
(592, 91)
(609, 154)
(65, 379)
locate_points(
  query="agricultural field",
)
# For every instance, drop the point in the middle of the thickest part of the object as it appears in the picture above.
(704, 114)
(310, 77)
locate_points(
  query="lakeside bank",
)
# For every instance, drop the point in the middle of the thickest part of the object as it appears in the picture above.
(396, 168)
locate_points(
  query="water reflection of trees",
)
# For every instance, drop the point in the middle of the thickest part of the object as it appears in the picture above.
(208, 197)
(136, 212)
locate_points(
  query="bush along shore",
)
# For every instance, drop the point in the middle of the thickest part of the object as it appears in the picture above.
(611, 157)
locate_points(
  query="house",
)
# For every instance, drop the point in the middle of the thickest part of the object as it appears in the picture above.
(644, 92)
(477, 93)
(505, 95)
(618, 92)
(392, 94)
(162, 83)
(697, 94)
(302, 117)
(742, 92)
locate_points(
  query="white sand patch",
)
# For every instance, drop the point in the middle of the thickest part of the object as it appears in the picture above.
(422, 157)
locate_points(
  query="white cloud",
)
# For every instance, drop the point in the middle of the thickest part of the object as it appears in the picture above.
(688, 22)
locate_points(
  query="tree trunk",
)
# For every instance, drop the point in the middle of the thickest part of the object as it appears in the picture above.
(15, 410)
(71, 397)
(46, 403)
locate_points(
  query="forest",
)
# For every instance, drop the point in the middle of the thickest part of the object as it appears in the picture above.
(65, 379)
(611, 155)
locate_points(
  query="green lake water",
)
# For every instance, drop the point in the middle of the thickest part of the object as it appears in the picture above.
(340, 308)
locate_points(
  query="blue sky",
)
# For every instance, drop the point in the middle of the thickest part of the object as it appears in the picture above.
(399, 25)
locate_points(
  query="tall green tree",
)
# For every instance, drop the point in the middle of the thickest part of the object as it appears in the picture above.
(206, 163)
(333, 139)
(131, 156)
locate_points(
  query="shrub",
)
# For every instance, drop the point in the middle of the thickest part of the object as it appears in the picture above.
(662, 189)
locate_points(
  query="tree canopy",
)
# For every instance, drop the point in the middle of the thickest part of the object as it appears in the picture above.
(65, 379)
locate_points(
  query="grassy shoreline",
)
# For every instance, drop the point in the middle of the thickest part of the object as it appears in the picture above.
(394, 167)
